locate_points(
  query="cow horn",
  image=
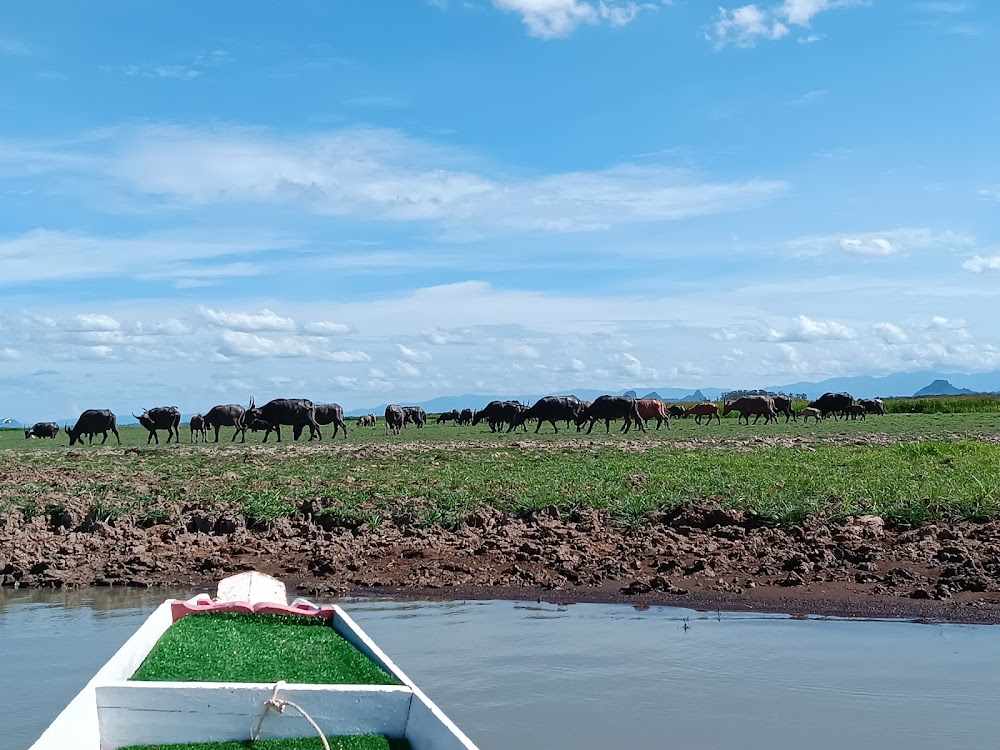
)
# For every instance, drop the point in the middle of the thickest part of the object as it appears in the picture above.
(133, 414)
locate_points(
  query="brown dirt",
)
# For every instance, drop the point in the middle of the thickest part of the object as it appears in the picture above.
(698, 556)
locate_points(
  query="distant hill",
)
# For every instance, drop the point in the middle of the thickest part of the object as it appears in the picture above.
(941, 388)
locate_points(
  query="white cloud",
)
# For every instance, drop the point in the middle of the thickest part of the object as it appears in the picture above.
(94, 322)
(881, 244)
(980, 263)
(890, 333)
(630, 365)
(325, 328)
(807, 329)
(356, 356)
(989, 193)
(376, 373)
(520, 350)
(549, 19)
(12, 47)
(405, 369)
(746, 25)
(7, 354)
(265, 320)
(239, 344)
(412, 354)
(948, 324)
(577, 365)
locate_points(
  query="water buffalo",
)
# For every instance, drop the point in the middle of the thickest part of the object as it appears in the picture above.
(810, 411)
(199, 426)
(41, 430)
(833, 403)
(759, 406)
(450, 416)
(394, 419)
(550, 409)
(161, 418)
(258, 425)
(704, 409)
(414, 415)
(499, 413)
(296, 412)
(367, 420)
(783, 405)
(614, 407)
(675, 410)
(326, 414)
(653, 408)
(873, 406)
(90, 423)
(465, 417)
(227, 415)
(855, 411)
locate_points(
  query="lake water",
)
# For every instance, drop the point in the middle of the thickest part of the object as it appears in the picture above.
(520, 675)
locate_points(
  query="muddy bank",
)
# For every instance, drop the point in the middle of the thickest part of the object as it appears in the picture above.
(701, 557)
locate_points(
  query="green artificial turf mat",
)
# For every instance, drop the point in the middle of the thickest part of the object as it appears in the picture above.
(228, 647)
(360, 742)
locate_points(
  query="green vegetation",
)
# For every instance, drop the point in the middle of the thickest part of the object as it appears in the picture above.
(908, 466)
(359, 742)
(974, 404)
(223, 647)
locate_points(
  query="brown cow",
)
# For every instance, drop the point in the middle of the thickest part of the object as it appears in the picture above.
(759, 406)
(810, 411)
(653, 408)
(854, 411)
(704, 409)
(199, 427)
(783, 405)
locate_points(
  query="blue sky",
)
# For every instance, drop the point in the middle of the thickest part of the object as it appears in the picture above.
(373, 201)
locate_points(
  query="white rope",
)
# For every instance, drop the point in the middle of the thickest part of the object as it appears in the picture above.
(279, 705)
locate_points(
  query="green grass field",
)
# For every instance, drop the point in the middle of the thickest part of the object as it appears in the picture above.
(909, 467)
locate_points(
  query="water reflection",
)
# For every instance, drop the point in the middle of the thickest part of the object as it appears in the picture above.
(536, 675)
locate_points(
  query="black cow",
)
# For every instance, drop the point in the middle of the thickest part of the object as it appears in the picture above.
(465, 417)
(873, 406)
(296, 412)
(227, 415)
(327, 414)
(500, 413)
(450, 416)
(258, 425)
(394, 418)
(41, 430)
(833, 403)
(550, 409)
(676, 411)
(90, 423)
(783, 405)
(161, 418)
(199, 427)
(414, 415)
(613, 407)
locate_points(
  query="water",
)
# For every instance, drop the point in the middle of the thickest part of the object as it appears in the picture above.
(517, 675)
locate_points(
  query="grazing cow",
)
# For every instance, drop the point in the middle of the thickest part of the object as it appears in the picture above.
(90, 423)
(368, 420)
(414, 415)
(227, 415)
(465, 417)
(296, 412)
(258, 425)
(653, 408)
(783, 405)
(675, 410)
(759, 406)
(199, 426)
(614, 407)
(833, 403)
(161, 418)
(450, 416)
(325, 414)
(873, 406)
(394, 418)
(499, 413)
(810, 411)
(855, 411)
(41, 430)
(704, 409)
(550, 409)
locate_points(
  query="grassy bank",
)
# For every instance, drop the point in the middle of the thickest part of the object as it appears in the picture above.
(919, 468)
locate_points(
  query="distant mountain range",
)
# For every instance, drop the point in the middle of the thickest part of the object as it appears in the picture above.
(942, 388)
(862, 386)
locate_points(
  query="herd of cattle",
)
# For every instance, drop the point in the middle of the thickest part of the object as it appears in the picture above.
(498, 415)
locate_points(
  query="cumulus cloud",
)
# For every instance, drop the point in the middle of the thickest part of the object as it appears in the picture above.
(746, 25)
(885, 243)
(325, 328)
(355, 356)
(265, 320)
(520, 350)
(577, 365)
(406, 370)
(946, 324)
(980, 263)
(549, 19)
(240, 344)
(807, 329)
(890, 333)
(94, 322)
(412, 354)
